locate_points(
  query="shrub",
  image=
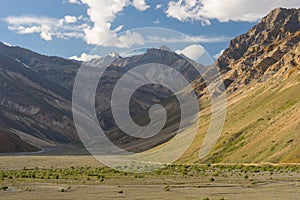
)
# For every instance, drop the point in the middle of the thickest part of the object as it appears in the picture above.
(29, 189)
(4, 188)
(167, 188)
(215, 174)
(138, 176)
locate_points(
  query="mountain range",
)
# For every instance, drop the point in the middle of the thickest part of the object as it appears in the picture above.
(261, 73)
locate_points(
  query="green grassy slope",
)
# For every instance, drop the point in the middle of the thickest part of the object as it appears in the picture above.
(262, 125)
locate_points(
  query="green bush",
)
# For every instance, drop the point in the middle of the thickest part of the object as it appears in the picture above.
(4, 188)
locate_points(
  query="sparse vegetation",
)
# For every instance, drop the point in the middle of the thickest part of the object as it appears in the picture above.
(62, 190)
(4, 188)
(166, 188)
(165, 179)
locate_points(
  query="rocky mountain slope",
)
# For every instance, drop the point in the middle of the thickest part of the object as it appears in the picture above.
(270, 48)
(261, 70)
(35, 107)
(36, 92)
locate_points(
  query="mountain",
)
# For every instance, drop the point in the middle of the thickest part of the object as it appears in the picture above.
(35, 100)
(143, 98)
(263, 51)
(36, 94)
(261, 71)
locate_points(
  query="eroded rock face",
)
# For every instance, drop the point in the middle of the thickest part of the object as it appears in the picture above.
(271, 45)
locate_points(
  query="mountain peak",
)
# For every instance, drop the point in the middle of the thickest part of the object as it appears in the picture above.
(114, 54)
(278, 24)
(264, 49)
(165, 48)
(286, 19)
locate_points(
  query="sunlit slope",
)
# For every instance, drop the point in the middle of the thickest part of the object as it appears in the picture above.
(262, 125)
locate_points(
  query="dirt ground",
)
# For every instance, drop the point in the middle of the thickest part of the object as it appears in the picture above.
(233, 185)
(265, 191)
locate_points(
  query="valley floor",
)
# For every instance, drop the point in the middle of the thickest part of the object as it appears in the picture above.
(81, 177)
(265, 190)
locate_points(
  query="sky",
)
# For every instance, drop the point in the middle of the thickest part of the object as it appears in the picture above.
(74, 28)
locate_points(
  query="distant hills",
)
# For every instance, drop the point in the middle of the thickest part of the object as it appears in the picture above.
(261, 72)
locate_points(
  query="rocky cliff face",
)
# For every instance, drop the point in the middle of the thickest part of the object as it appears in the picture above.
(268, 49)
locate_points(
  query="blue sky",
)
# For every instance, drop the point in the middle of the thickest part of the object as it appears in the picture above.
(72, 27)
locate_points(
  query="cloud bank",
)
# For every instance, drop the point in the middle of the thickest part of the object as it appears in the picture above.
(98, 28)
(193, 52)
(224, 10)
(46, 27)
(97, 31)
(84, 57)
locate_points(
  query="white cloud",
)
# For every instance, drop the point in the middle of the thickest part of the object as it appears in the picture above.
(74, 1)
(218, 54)
(70, 19)
(185, 10)
(46, 35)
(45, 26)
(29, 20)
(129, 39)
(193, 52)
(102, 14)
(156, 21)
(187, 39)
(140, 5)
(225, 10)
(84, 57)
(7, 44)
(158, 6)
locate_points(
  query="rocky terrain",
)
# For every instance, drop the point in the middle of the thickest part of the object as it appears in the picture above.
(269, 49)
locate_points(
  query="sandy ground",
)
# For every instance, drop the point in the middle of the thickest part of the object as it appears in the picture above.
(264, 191)
(233, 185)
